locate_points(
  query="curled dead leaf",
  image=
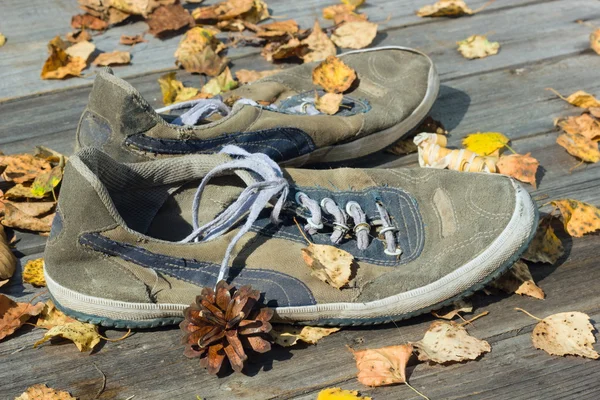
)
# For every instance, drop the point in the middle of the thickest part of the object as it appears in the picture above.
(584, 125)
(579, 146)
(168, 18)
(329, 103)
(224, 82)
(281, 50)
(595, 40)
(579, 218)
(477, 46)
(341, 13)
(33, 272)
(113, 58)
(82, 49)
(8, 261)
(247, 76)
(198, 52)
(87, 21)
(318, 46)
(15, 218)
(43, 392)
(173, 90)
(278, 28)
(329, 264)
(354, 34)
(579, 99)
(13, 315)
(22, 168)
(78, 36)
(518, 280)
(455, 309)
(289, 335)
(333, 75)
(59, 64)
(445, 8)
(383, 366)
(545, 247)
(519, 166)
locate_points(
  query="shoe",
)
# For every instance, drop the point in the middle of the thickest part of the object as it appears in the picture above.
(133, 244)
(395, 89)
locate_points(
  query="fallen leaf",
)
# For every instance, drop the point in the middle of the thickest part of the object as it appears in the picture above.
(341, 13)
(219, 84)
(584, 125)
(518, 280)
(252, 11)
(329, 103)
(232, 25)
(354, 3)
(328, 263)
(59, 64)
(595, 40)
(132, 40)
(198, 52)
(46, 182)
(432, 126)
(2, 40)
(85, 336)
(579, 146)
(579, 218)
(445, 8)
(8, 261)
(449, 342)
(43, 392)
(333, 75)
(318, 46)
(113, 58)
(21, 192)
(22, 168)
(383, 366)
(545, 247)
(519, 166)
(49, 155)
(281, 50)
(579, 99)
(354, 35)
(477, 46)
(33, 208)
(458, 307)
(110, 10)
(33, 272)
(485, 143)
(277, 28)
(173, 90)
(567, 333)
(87, 21)
(289, 335)
(79, 36)
(247, 76)
(83, 50)
(168, 19)
(15, 218)
(434, 154)
(13, 315)
(139, 7)
(340, 394)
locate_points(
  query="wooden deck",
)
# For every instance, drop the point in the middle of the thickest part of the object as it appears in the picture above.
(543, 45)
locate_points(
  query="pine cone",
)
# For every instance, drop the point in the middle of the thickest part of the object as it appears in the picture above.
(220, 326)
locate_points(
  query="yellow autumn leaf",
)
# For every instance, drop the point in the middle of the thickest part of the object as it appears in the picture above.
(289, 335)
(340, 394)
(198, 52)
(2, 40)
(43, 392)
(477, 46)
(579, 99)
(224, 82)
(46, 182)
(173, 90)
(354, 3)
(579, 218)
(579, 146)
(584, 125)
(485, 143)
(518, 280)
(333, 75)
(595, 40)
(33, 272)
(329, 103)
(445, 8)
(545, 247)
(59, 64)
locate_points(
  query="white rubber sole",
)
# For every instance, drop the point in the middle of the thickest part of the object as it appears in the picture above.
(472, 276)
(380, 140)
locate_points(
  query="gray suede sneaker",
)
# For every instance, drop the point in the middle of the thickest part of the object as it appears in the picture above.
(133, 244)
(395, 89)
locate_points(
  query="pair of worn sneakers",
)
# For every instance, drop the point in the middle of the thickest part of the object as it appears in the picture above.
(154, 207)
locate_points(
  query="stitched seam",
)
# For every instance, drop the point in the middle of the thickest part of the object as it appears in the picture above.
(473, 206)
(465, 243)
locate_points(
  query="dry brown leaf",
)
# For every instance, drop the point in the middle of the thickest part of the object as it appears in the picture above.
(21, 168)
(519, 166)
(449, 313)
(198, 52)
(78, 36)
(82, 49)
(43, 392)
(354, 35)
(33, 272)
(579, 99)
(21, 192)
(595, 40)
(341, 13)
(132, 40)
(168, 19)
(13, 315)
(247, 76)
(173, 90)
(224, 82)
(85, 336)
(567, 333)
(383, 366)
(449, 342)
(318, 46)
(328, 263)
(545, 247)
(584, 125)
(59, 64)
(113, 58)
(280, 50)
(8, 261)
(579, 218)
(446, 8)
(15, 218)
(49, 155)
(33, 208)
(289, 335)
(329, 103)
(110, 10)
(87, 21)
(333, 75)
(579, 146)
(252, 11)
(278, 28)
(477, 46)
(518, 280)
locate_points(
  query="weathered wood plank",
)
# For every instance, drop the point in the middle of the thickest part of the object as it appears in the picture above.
(25, 52)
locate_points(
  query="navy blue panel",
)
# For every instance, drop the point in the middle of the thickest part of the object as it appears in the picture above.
(57, 226)
(93, 130)
(279, 289)
(278, 143)
(401, 206)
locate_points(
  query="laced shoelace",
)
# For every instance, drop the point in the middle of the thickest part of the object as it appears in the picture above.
(268, 183)
(198, 110)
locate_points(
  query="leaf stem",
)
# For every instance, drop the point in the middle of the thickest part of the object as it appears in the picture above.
(125, 336)
(483, 314)
(416, 391)
(302, 231)
(528, 313)
(510, 148)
